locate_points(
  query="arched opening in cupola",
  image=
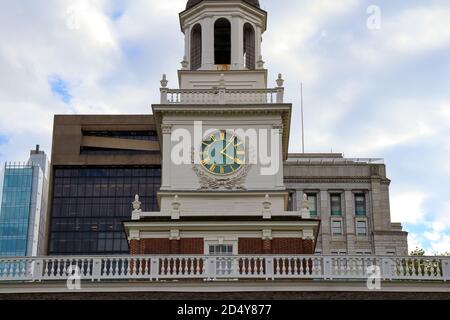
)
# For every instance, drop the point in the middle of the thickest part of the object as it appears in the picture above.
(196, 47)
(222, 41)
(249, 47)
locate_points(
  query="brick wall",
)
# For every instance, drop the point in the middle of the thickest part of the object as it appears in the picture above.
(287, 246)
(166, 246)
(250, 246)
(192, 246)
(275, 246)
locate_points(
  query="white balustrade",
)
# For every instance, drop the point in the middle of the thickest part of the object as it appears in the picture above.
(222, 96)
(263, 267)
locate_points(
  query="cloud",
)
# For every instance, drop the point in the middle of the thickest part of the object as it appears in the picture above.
(408, 207)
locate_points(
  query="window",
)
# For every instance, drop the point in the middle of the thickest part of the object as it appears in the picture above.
(221, 250)
(360, 204)
(222, 41)
(312, 201)
(196, 47)
(249, 46)
(336, 227)
(336, 208)
(339, 252)
(361, 228)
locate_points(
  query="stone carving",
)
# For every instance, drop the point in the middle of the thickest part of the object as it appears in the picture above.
(166, 128)
(184, 63)
(267, 207)
(209, 181)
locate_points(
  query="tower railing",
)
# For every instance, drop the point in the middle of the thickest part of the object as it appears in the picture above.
(222, 95)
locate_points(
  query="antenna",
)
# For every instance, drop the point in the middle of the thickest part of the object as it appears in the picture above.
(303, 115)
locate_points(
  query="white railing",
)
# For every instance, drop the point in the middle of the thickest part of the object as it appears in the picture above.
(263, 267)
(222, 96)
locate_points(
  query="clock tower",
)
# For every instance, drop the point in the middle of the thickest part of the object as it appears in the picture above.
(224, 136)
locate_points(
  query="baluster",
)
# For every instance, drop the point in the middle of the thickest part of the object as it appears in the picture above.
(52, 271)
(105, 267)
(302, 266)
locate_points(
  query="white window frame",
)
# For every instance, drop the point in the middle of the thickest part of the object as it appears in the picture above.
(337, 236)
(233, 243)
(360, 236)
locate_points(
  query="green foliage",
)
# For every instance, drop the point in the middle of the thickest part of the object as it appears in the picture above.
(417, 252)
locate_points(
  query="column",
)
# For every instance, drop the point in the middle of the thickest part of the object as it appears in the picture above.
(207, 44)
(349, 221)
(187, 45)
(325, 218)
(257, 44)
(279, 175)
(298, 200)
(237, 43)
(166, 157)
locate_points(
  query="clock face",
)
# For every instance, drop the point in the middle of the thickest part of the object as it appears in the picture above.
(223, 153)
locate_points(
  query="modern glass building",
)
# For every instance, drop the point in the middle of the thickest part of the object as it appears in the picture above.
(23, 204)
(90, 203)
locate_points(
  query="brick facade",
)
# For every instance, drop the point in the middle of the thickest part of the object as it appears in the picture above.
(246, 246)
(165, 246)
(275, 246)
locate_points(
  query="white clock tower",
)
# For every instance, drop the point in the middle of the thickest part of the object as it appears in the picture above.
(224, 137)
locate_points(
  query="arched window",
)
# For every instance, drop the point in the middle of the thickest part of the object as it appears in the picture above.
(196, 47)
(249, 47)
(222, 42)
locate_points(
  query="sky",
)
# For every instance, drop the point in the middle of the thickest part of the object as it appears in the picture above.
(376, 81)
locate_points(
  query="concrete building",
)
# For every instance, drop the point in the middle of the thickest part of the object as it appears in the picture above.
(24, 194)
(351, 198)
(98, 164)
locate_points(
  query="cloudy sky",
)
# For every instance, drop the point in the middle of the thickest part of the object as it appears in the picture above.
(369, 92)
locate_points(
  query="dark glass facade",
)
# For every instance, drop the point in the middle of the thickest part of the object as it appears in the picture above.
(89, 205)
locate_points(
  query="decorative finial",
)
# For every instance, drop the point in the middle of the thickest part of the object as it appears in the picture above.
(184, 63)
(280, 80)
(260, 63)
(164, 81)
(136, 204)
(306, 213)
(305, 201)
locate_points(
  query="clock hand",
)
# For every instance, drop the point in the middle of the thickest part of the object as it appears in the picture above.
(229, 143)
(228, 156)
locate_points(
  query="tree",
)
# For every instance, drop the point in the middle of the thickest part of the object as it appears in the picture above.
(417, 252)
